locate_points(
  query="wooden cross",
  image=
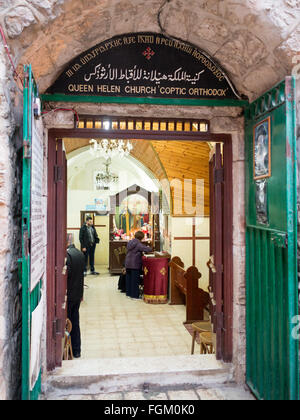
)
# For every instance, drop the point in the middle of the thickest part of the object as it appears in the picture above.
(194, 238)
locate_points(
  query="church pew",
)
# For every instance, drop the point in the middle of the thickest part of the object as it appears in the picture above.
(185, 290)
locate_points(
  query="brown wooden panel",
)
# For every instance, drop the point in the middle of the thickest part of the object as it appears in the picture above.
(221, 222)
(51, 237)
(61, 245)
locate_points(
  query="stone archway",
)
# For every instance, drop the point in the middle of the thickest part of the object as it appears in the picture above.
(242, 37)
(256, 42)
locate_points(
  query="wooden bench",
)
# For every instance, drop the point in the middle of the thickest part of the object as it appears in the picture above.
(185, 290)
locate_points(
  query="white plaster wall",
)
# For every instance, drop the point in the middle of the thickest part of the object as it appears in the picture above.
(182, 227)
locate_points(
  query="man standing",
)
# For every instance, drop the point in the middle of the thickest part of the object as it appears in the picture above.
(75, 266)
(89, 239)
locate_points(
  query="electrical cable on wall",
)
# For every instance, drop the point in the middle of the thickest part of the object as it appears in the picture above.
(16, 74)
(159, 16)
(162, 29)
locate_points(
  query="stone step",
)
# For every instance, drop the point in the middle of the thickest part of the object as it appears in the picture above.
(81, 377)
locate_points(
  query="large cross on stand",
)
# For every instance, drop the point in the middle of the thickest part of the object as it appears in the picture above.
(193, 238)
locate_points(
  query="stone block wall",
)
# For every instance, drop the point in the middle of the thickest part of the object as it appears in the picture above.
(254, 40)
(10, 232)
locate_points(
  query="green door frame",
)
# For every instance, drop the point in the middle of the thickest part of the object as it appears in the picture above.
(271, 250)
(30, 299)
(187, 102)
(144, 101)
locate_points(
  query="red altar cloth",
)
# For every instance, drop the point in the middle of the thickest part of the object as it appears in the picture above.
(156, 279)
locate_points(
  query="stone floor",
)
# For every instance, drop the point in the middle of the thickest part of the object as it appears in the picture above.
(216, 393)
(125, 337)
(114, 326)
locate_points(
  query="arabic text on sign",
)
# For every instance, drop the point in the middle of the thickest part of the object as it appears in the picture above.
(102, 72)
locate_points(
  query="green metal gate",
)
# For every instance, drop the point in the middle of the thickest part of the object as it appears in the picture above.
(30, 298)
(271, 244)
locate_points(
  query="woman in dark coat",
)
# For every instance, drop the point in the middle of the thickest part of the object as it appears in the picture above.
(133, 264)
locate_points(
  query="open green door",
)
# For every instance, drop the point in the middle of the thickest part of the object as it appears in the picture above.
(271, 244)
(31, 288)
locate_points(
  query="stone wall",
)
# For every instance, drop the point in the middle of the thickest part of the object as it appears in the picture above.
(255, 41)
(10, 232)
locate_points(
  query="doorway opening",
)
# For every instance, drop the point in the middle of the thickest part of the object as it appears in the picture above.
(166, 154)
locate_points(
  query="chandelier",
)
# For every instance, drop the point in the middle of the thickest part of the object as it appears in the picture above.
(110, 148)
(104, 179)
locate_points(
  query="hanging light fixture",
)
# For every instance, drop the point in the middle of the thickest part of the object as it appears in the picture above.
(110, 148)
(105, 179)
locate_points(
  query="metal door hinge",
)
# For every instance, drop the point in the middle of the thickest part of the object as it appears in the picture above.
(57, 174)
(218, 176)
(220, 320)
(54, 330)
(27, 149)
(26, 244)
(57, 327)
(220, 268)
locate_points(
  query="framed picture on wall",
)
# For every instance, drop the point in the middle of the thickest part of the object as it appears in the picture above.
(262, 149)
(262, 202)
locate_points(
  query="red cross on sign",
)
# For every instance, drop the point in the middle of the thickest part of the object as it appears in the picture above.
(149, 53)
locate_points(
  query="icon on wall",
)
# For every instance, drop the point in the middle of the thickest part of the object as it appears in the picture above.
(100, 205)
(262, 202)
(262, 149)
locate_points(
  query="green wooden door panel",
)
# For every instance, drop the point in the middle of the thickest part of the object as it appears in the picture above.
(271, 252)
(30, 299)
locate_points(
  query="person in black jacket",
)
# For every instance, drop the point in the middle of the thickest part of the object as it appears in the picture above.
(75, 267)
(89, 239)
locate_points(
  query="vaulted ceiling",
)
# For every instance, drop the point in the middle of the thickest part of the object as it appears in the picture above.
(170, 162)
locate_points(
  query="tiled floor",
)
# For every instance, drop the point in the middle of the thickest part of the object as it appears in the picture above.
(114, 326)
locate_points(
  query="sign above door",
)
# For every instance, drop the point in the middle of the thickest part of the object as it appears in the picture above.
(145, 65)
